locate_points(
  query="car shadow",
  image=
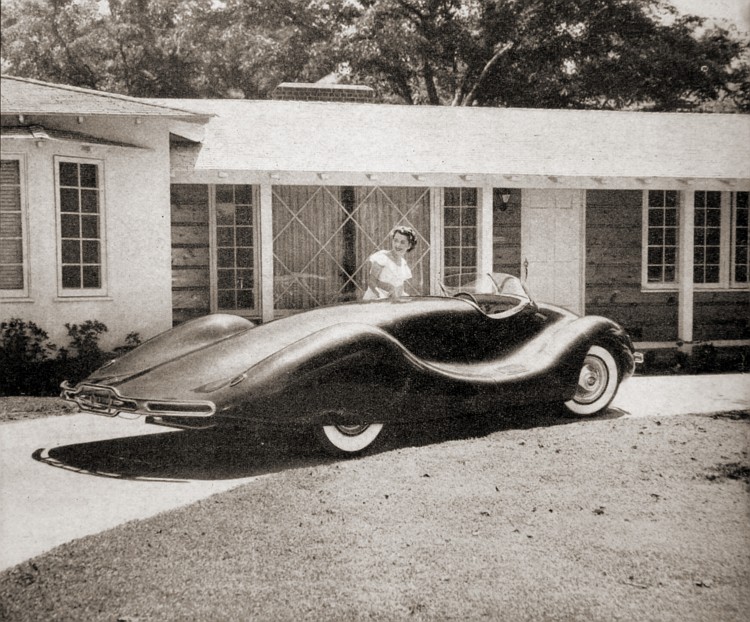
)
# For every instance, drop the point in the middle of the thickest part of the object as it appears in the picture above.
(251, 451)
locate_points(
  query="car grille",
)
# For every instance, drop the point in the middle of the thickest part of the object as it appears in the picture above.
(106, 401)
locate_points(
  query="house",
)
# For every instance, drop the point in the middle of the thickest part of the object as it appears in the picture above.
(142, 213)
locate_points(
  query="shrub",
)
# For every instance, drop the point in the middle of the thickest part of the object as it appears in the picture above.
(33, 366)
(24, 347)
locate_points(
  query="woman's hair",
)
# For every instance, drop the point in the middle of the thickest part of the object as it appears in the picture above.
(408, 233)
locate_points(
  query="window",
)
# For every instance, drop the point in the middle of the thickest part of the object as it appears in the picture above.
(720, 239)
(460, 231)
(661, 246)
(740, 228)
(707, 237)
(80, 227)
(235, 248)
(13, 272)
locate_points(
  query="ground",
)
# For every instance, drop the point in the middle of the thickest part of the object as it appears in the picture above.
(534, 517)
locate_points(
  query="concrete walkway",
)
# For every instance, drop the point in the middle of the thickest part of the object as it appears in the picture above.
(42, 507)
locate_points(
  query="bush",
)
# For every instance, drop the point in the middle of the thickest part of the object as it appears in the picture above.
(28, 364)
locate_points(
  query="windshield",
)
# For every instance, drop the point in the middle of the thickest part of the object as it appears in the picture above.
(497, 284)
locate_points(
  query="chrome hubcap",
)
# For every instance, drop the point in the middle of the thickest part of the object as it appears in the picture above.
(353, 430)
(592, 381)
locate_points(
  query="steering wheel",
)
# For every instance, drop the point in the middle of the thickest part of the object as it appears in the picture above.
(467, 296)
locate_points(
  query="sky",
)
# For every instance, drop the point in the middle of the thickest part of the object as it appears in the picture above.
(735, 11)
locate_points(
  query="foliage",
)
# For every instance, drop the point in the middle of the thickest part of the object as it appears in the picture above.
(28, 364)
(540, 53)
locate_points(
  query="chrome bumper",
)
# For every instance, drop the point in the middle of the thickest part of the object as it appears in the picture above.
(101, 400)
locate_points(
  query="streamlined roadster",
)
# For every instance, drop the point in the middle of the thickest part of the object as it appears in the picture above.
(347, 370)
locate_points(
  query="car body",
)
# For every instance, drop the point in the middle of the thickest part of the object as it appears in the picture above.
(349, 369)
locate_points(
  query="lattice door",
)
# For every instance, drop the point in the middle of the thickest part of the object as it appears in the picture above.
(323, 236)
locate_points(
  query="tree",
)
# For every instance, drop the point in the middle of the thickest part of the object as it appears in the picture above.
(544, 53)
(541, 53)
(169, 48)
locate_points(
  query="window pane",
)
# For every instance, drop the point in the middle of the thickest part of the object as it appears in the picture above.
(224, 194)
(713, 199)
(655, 198)
(670, 198)
(91, 278)
(452, 237)
(89, 176)
(225, 257)
(245, 257)
(225, 236)
(68, 174)
(452, 196)
(70, 226)
(244, 215)
(226, 279)
(656, 237)
(245, 299)
(712, 274)
(71, 277)
(243, 195)
(670, 217)
(90, 201)
(71, 251)
(90, 227)
(244, 236)
(654, 274)
(226, 299)
(469, 196)
(655, 217)
(224, 214)
(69, 200)
(90, 251)
(669, 274)
(452, 216)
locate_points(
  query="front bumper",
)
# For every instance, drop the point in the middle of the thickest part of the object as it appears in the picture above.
(103, 400)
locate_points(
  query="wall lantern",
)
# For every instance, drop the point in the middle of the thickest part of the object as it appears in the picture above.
(504, 195)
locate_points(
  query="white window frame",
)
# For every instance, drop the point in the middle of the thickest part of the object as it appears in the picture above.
(726, 268)
(24, 292)
(732, 230)
(67, 292)
(214, 253)
(646, 285)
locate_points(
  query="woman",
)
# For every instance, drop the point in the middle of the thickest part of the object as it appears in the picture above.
(387, 270)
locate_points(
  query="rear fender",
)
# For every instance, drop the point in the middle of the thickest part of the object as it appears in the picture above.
(350, 368)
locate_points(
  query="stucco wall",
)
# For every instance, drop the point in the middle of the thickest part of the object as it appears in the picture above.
(136, 229)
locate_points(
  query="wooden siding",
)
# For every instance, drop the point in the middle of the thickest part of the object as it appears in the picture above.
(613, 268)
(613, 279)
(506, 235)
(190, 252)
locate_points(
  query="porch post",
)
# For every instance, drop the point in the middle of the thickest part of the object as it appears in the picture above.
(484, 230)
(687, 244)
(266, 252)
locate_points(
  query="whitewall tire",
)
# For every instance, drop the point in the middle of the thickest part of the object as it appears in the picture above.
(349, 439)
(597, 383)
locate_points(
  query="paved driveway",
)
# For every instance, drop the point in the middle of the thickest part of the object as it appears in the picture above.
(110, 471)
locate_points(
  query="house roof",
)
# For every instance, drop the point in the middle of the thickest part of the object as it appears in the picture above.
(29, 97)
(253, 135)
(38, 132)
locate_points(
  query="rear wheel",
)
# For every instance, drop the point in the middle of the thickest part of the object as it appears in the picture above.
(597, 383)
(349, 439)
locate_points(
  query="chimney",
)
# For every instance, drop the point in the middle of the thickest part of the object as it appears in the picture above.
(303, 91)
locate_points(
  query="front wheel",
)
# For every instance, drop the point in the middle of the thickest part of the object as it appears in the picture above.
(597, 383)
(349, 439)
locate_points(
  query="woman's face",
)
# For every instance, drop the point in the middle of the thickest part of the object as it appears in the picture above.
(400, 244)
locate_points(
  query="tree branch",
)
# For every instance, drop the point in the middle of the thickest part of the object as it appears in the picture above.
(471, 97)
